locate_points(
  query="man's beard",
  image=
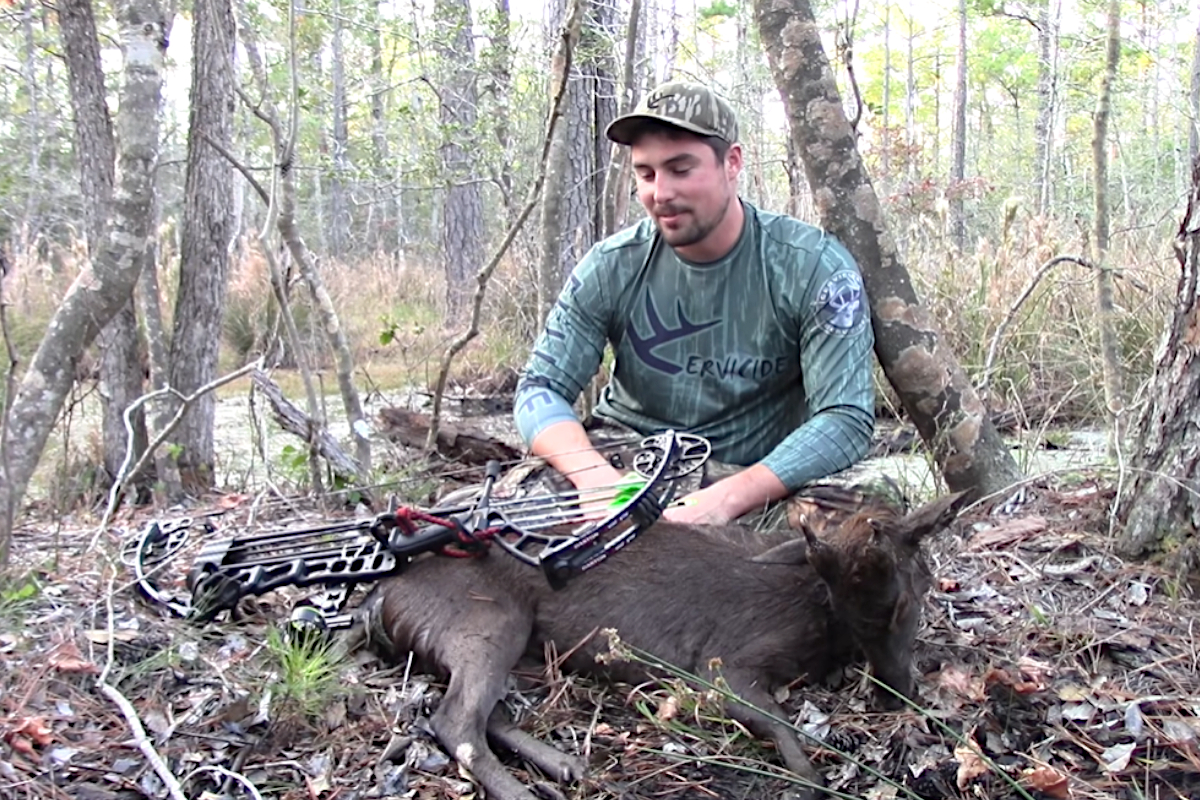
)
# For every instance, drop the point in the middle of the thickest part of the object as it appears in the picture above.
(696, 229)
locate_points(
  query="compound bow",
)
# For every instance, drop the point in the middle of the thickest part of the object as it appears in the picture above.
(564, 534)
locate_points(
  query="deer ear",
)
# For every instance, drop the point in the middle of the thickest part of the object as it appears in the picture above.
(932, 517)
(792, 552)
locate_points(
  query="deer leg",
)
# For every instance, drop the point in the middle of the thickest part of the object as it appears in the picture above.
(750, 712)
(478, 661)
(560, 766)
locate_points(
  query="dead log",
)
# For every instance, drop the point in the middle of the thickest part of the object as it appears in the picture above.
(456, 443)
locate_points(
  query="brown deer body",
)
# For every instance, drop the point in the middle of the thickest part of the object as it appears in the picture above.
(723, 602)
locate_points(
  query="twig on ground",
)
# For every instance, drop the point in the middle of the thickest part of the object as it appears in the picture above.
(228, 773)
(128, 711)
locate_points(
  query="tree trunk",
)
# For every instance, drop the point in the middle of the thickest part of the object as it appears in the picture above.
(339, 211)
(383, 232)
(885, 133)
(281, 214)
(910, 92)
(931, 385)
(617, 179)
(94, 147)
(1113, 396)
(120, 367)
(1043, 125)
(1194, 131)
(462, 204)
(107, 282)
(207, 231)
(558, 188)
(580, 165)
(499, 69)
(958, 136)
(1159, 507)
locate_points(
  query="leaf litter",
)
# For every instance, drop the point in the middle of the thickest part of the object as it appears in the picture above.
(1049, 668)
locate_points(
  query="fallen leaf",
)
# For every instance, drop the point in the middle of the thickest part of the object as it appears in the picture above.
(961, 683)
(73, 664)
(27, 734)
(970, 764)
(1116, 758)
(1049, 781)
(35, 728)
(229, 501)
(1074, 694)
(103, 636)
(1004, 678)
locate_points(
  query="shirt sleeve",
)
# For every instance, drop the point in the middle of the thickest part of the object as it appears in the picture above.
(568, 351)
(836, 346)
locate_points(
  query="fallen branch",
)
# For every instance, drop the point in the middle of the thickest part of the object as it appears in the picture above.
(130, 713)
(295, 421)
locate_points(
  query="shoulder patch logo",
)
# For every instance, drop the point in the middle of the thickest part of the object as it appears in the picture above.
(841, 305)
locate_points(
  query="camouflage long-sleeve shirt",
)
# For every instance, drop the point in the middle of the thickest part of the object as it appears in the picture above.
(765, 352)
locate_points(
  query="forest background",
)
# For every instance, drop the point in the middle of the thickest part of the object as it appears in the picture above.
(419, 135)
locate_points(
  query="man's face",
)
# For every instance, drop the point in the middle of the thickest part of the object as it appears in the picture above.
(683, 186)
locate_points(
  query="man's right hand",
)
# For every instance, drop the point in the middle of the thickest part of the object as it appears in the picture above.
(566, 447)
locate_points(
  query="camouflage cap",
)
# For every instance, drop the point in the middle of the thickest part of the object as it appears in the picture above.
(690, 106)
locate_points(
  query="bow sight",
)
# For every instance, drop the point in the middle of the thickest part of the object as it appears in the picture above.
(562, 533)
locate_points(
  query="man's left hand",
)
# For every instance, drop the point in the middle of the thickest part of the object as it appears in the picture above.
(703, 507)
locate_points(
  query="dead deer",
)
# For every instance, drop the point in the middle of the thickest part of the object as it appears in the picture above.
(714, 601)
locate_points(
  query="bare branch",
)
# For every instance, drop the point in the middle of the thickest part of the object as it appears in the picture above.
(485, 274)
(120, 483)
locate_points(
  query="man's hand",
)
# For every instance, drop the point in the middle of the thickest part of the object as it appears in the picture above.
(566, 447)
(728, 498)
(703, 507)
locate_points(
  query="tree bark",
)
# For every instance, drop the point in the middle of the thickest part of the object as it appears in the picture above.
(958, 136)
(282, 215)
(1159, 504)
(555, 198)
(119, 366)
(1042, 126)
(1110, 358)
(384, 231)
(339, 211)
(1194, 96)
(616, 181)
(931, 385)
(499, 64)
(207, 233)
(107, 282)
(462, 204)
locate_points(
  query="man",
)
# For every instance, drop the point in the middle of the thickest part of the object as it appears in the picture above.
(745, 327)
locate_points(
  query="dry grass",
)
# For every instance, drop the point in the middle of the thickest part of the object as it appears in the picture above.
(1047, 364)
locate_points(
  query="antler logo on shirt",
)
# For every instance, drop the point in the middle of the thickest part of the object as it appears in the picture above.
(660, 335)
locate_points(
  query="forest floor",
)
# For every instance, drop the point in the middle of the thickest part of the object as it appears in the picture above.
(1048, 668)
